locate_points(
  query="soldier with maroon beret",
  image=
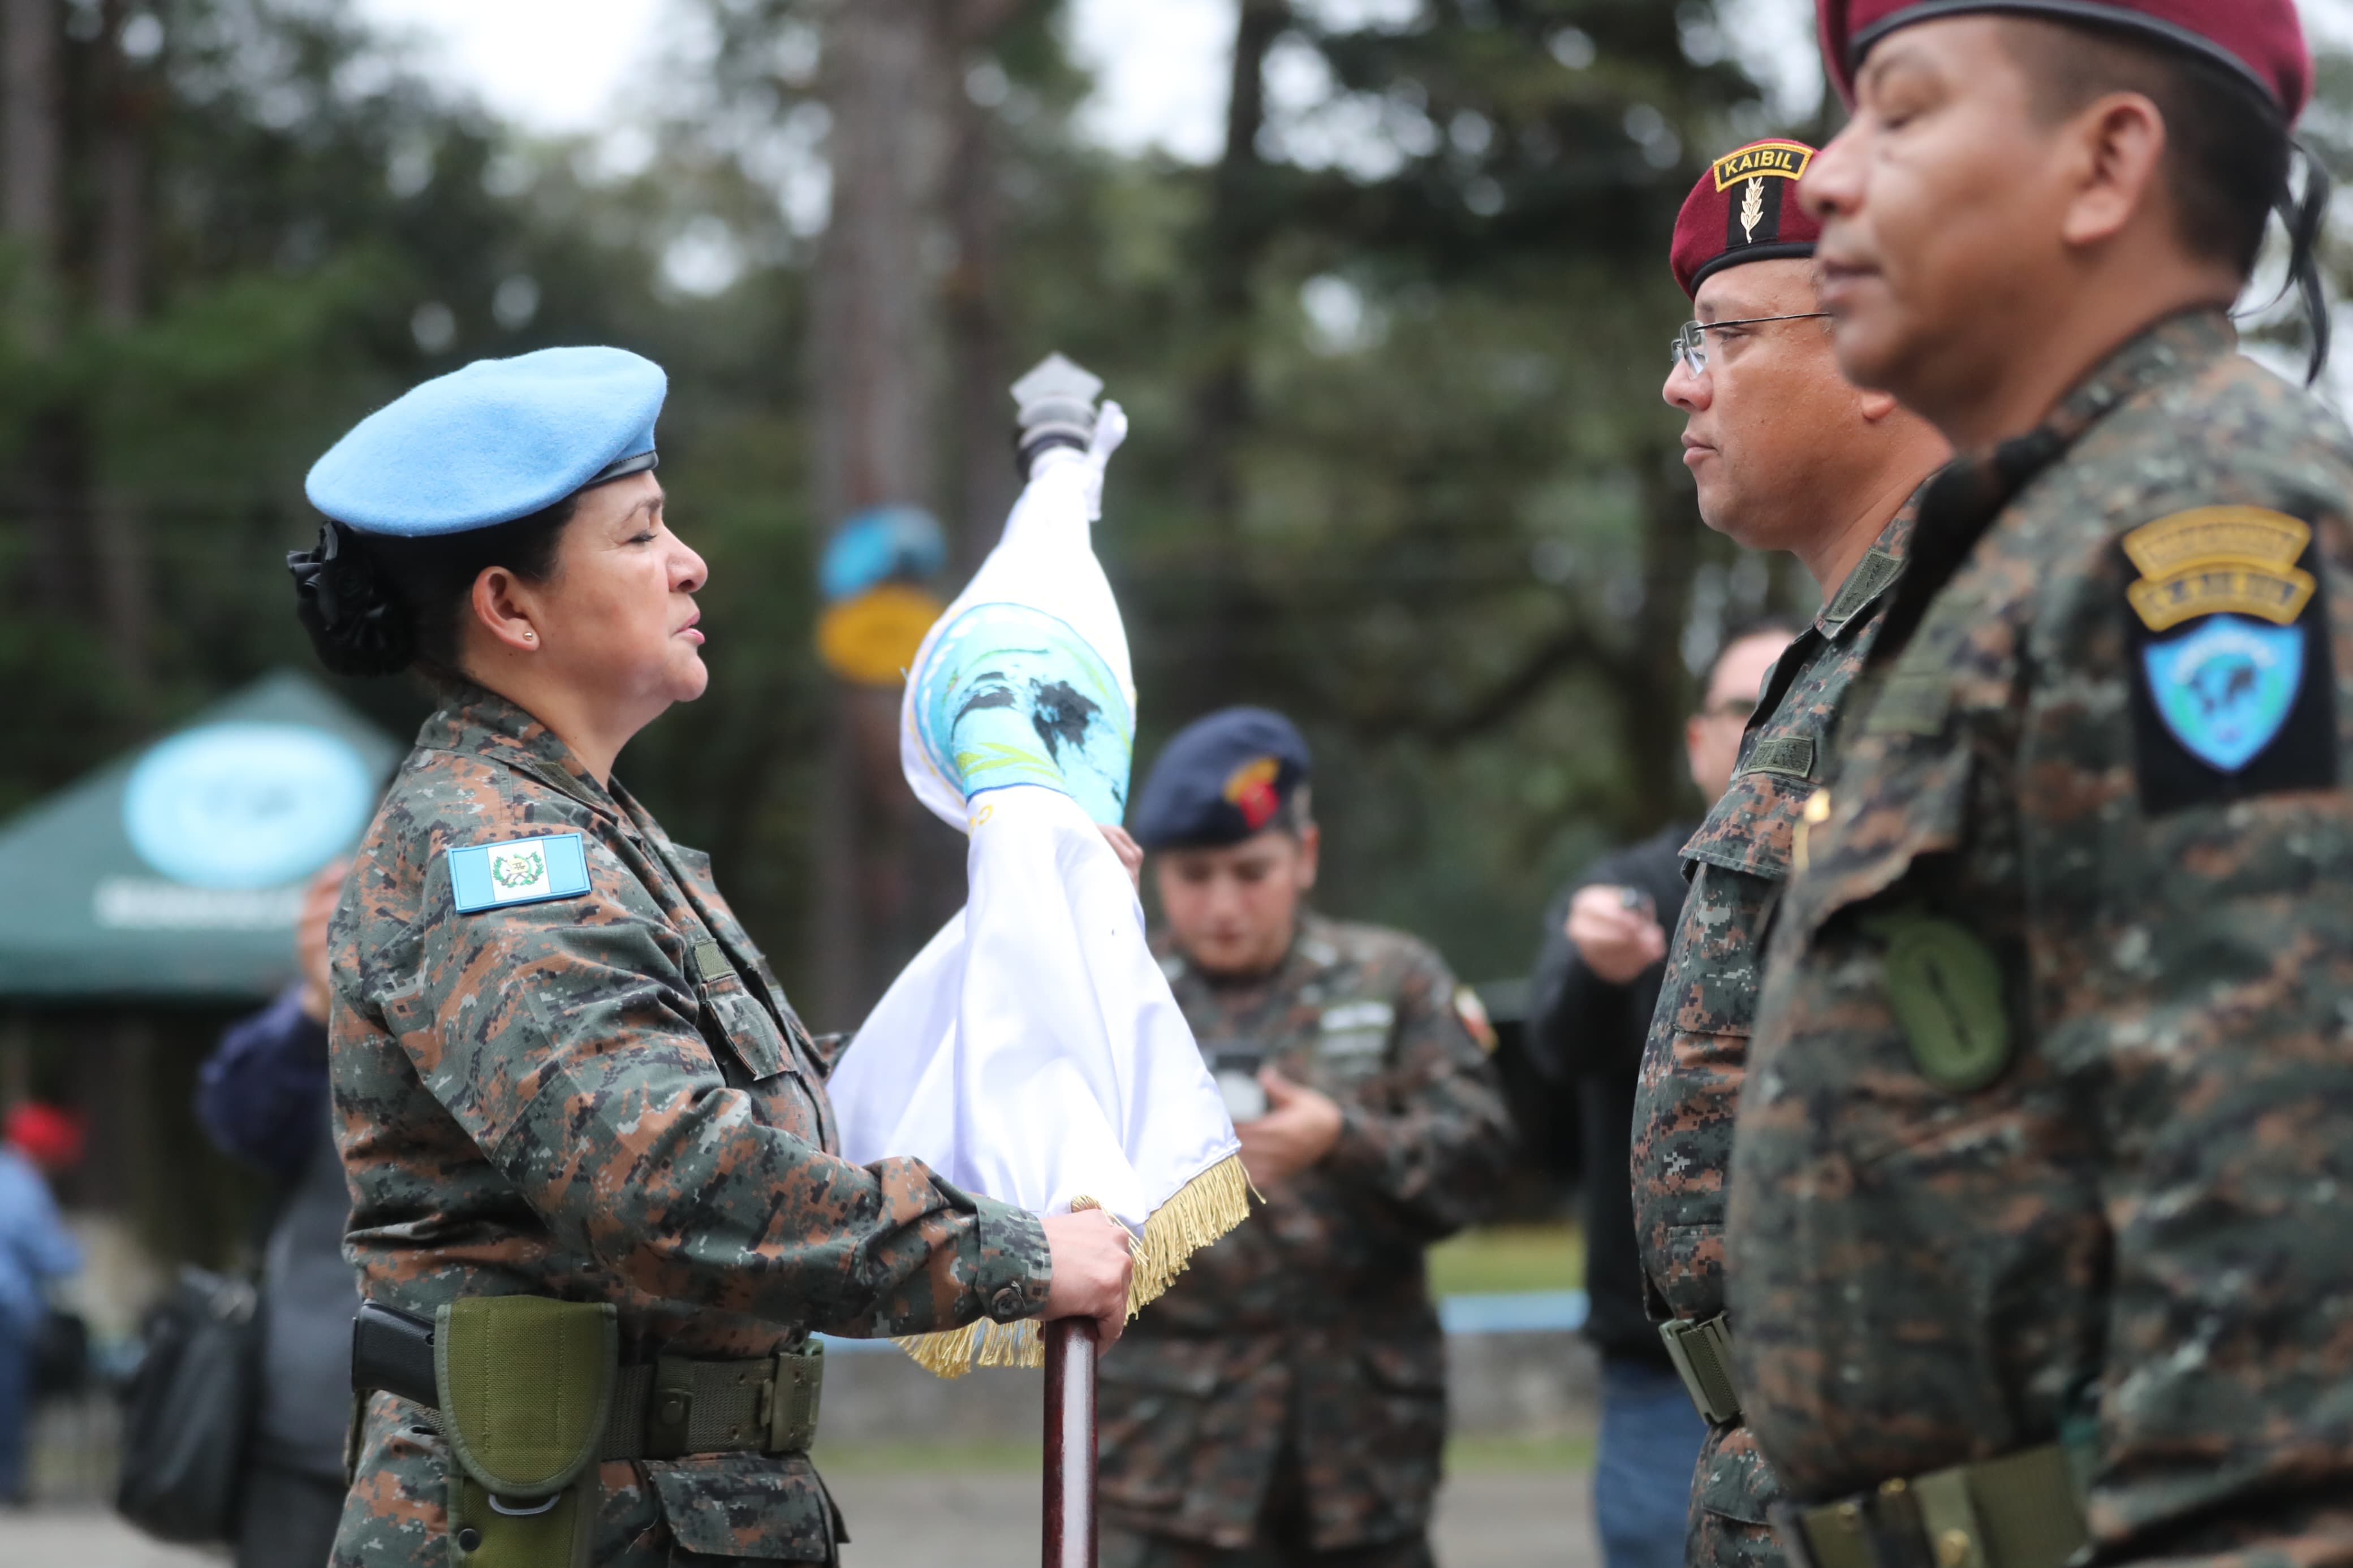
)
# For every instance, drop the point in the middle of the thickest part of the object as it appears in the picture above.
(2037, 1248)
(1787, 455)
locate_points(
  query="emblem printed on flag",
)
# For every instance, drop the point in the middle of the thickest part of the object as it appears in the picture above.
(524, 871)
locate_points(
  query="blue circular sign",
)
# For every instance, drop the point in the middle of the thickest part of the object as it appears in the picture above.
(247, 805)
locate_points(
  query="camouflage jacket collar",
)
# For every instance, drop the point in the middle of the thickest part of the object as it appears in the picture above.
(1876, 572)
(1962, 501)
(475, 721)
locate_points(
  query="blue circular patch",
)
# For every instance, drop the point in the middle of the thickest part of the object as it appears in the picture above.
(1010, 695)
(247, 805)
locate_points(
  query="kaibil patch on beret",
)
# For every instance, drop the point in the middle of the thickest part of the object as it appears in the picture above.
(496, 441)
(1745, 208)
(1221, 779)
(2262, 40)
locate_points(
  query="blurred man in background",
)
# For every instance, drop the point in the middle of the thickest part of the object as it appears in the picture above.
(36, 1252)
(1788, 456)
(1595, 986)
(262, 1098)
(1285, 1401)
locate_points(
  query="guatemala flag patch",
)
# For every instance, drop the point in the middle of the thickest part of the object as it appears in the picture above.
(524, 871)
(2226, 688)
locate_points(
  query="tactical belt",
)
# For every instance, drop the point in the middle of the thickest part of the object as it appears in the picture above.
(667, 1410)
(2021, 1510)
(1702, 1351)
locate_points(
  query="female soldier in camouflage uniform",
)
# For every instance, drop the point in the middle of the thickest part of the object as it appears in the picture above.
(561, 1071)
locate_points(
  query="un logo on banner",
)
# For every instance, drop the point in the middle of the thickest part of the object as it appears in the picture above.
(2225, 690)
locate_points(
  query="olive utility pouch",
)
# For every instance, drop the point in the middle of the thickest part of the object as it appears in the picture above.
(525, 1387)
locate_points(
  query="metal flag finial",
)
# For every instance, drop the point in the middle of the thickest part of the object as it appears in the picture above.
(1056, 407)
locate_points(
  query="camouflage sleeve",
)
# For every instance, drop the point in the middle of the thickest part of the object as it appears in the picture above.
(564, 1037)
(1430, 1134)
(2194, 978)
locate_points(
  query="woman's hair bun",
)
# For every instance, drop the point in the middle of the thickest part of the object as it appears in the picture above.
(355, 619)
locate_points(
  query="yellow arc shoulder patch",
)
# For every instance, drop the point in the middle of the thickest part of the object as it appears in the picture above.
(1817, 812)
(1473, 1013)
(2239, 560)
(1783, 159)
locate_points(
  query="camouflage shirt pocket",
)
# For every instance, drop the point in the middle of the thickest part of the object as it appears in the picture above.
(1916, 807)
(741, 1026)
(747, 1505)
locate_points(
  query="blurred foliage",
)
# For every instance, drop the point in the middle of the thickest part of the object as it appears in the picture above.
(1399, 465)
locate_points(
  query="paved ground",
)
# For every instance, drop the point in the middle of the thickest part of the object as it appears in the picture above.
(1498, 1518)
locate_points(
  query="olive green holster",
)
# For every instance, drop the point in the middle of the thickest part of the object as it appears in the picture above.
(525, 1387)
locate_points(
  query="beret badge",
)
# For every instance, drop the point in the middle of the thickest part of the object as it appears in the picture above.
(1250, 789)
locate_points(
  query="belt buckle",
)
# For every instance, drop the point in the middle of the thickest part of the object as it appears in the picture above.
(788, 1400)
(1688, 1343)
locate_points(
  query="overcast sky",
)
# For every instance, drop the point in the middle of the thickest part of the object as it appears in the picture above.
(564, 65)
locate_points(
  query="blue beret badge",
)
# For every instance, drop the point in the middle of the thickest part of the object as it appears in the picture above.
(521, 871)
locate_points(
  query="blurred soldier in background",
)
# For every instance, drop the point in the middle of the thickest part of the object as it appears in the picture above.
(262, 1096)
(1596, 985)
(1285, 1401)
(36, 1252)
(1788, 456)
(2038, 1243)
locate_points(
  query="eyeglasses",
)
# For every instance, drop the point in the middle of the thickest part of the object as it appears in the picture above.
(1691, 343)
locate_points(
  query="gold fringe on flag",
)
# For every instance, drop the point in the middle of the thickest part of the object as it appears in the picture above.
(1195, 1214)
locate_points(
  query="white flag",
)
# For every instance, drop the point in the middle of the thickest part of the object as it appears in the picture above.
(1033, 1051)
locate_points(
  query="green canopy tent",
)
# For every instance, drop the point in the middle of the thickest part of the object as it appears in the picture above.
(174, 873)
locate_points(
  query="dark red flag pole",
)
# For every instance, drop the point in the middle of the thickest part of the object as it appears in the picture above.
(1070, 1443)
(1057, 408)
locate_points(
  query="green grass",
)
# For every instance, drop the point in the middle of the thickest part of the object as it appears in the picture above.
(1508, 1257)
(1519, 1454)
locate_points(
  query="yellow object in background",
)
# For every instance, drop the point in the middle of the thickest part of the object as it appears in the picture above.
(873, 639)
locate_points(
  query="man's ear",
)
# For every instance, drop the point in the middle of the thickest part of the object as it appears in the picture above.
(1310, 853)
(2113, 154)
(1875, 406)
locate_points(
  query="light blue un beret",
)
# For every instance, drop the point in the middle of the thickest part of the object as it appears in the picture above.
(497, 440)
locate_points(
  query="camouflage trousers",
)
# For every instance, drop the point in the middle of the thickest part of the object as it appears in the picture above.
(1282, 1539)
(395, 1515)
(1132, 1549)
(1730, 1492)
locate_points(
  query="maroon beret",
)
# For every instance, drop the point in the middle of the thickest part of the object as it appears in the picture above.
(2262, 40)
(1745, 208)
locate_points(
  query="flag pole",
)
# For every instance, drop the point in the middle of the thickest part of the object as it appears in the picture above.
(1069, 1443)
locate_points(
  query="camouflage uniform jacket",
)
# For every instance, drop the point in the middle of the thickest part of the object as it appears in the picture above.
(1309, 1329)
(2048, 1130)
(606, 1098)
(1698, 1048)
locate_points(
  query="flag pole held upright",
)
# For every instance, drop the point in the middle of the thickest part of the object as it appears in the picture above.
(1057, 403)
(1070, 1444)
